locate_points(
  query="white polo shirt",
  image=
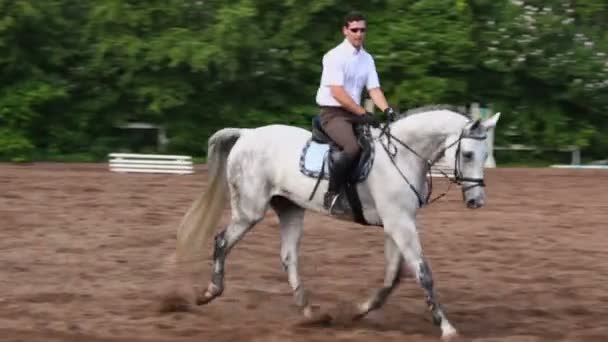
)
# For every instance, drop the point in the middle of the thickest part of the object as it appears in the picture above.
(351, 68)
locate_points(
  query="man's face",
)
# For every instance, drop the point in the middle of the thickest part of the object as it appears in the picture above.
(355, 32)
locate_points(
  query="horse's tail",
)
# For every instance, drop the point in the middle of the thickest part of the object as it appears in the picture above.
(201, 219)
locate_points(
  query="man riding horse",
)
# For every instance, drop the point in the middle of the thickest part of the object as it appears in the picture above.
(347, 68)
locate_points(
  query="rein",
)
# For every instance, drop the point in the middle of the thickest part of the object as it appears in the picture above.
(458, 176)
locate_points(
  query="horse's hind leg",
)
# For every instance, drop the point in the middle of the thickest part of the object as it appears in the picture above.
(248, 208)
(291, 220)
(392, 277)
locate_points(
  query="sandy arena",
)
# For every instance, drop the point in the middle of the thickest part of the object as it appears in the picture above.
(84, 253)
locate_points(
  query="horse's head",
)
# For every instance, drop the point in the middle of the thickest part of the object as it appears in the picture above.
(470, 154)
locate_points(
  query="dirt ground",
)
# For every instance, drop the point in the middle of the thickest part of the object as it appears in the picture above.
(84, 253)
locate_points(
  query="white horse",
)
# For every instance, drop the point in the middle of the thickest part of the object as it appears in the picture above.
(258, 168)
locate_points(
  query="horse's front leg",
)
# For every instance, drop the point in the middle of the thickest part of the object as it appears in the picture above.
(406, 238)
(392, 276)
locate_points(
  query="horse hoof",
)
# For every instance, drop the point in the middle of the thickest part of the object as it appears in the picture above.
(206, 298)
(450, 336)
(317, 320)
(313, 317)
(210, 294)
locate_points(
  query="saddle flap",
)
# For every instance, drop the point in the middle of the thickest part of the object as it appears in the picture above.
(315, 156)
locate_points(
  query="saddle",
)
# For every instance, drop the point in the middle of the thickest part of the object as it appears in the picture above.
(316, 162)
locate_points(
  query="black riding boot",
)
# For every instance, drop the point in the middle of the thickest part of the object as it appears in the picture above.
(341, 165)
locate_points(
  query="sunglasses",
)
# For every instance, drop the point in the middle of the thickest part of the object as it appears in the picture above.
(355, 30)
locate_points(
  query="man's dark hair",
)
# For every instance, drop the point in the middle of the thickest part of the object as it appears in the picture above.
(353, 16)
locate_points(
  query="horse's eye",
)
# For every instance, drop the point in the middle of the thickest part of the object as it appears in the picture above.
(467, 155)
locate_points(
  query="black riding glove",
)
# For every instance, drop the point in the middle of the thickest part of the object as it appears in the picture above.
(369, 119)
(390, 114)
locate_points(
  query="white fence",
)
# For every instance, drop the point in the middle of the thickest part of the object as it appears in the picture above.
(596, 167)
(441, 166)
(150, 163)
(575, 160)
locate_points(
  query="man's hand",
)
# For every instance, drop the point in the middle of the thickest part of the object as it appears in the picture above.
(369, 119)
(390, 114)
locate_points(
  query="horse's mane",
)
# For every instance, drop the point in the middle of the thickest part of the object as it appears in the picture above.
(432, 107)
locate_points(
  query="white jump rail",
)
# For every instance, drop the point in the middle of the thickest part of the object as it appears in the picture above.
(440, 166)
(150, 163)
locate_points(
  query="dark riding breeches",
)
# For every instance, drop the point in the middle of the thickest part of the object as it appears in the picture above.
(338, 125)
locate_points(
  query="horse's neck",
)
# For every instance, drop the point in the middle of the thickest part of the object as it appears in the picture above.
(426, 134)
(427, 146)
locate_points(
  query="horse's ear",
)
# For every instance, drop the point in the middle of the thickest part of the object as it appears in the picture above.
(491, 121)
(475, 126)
